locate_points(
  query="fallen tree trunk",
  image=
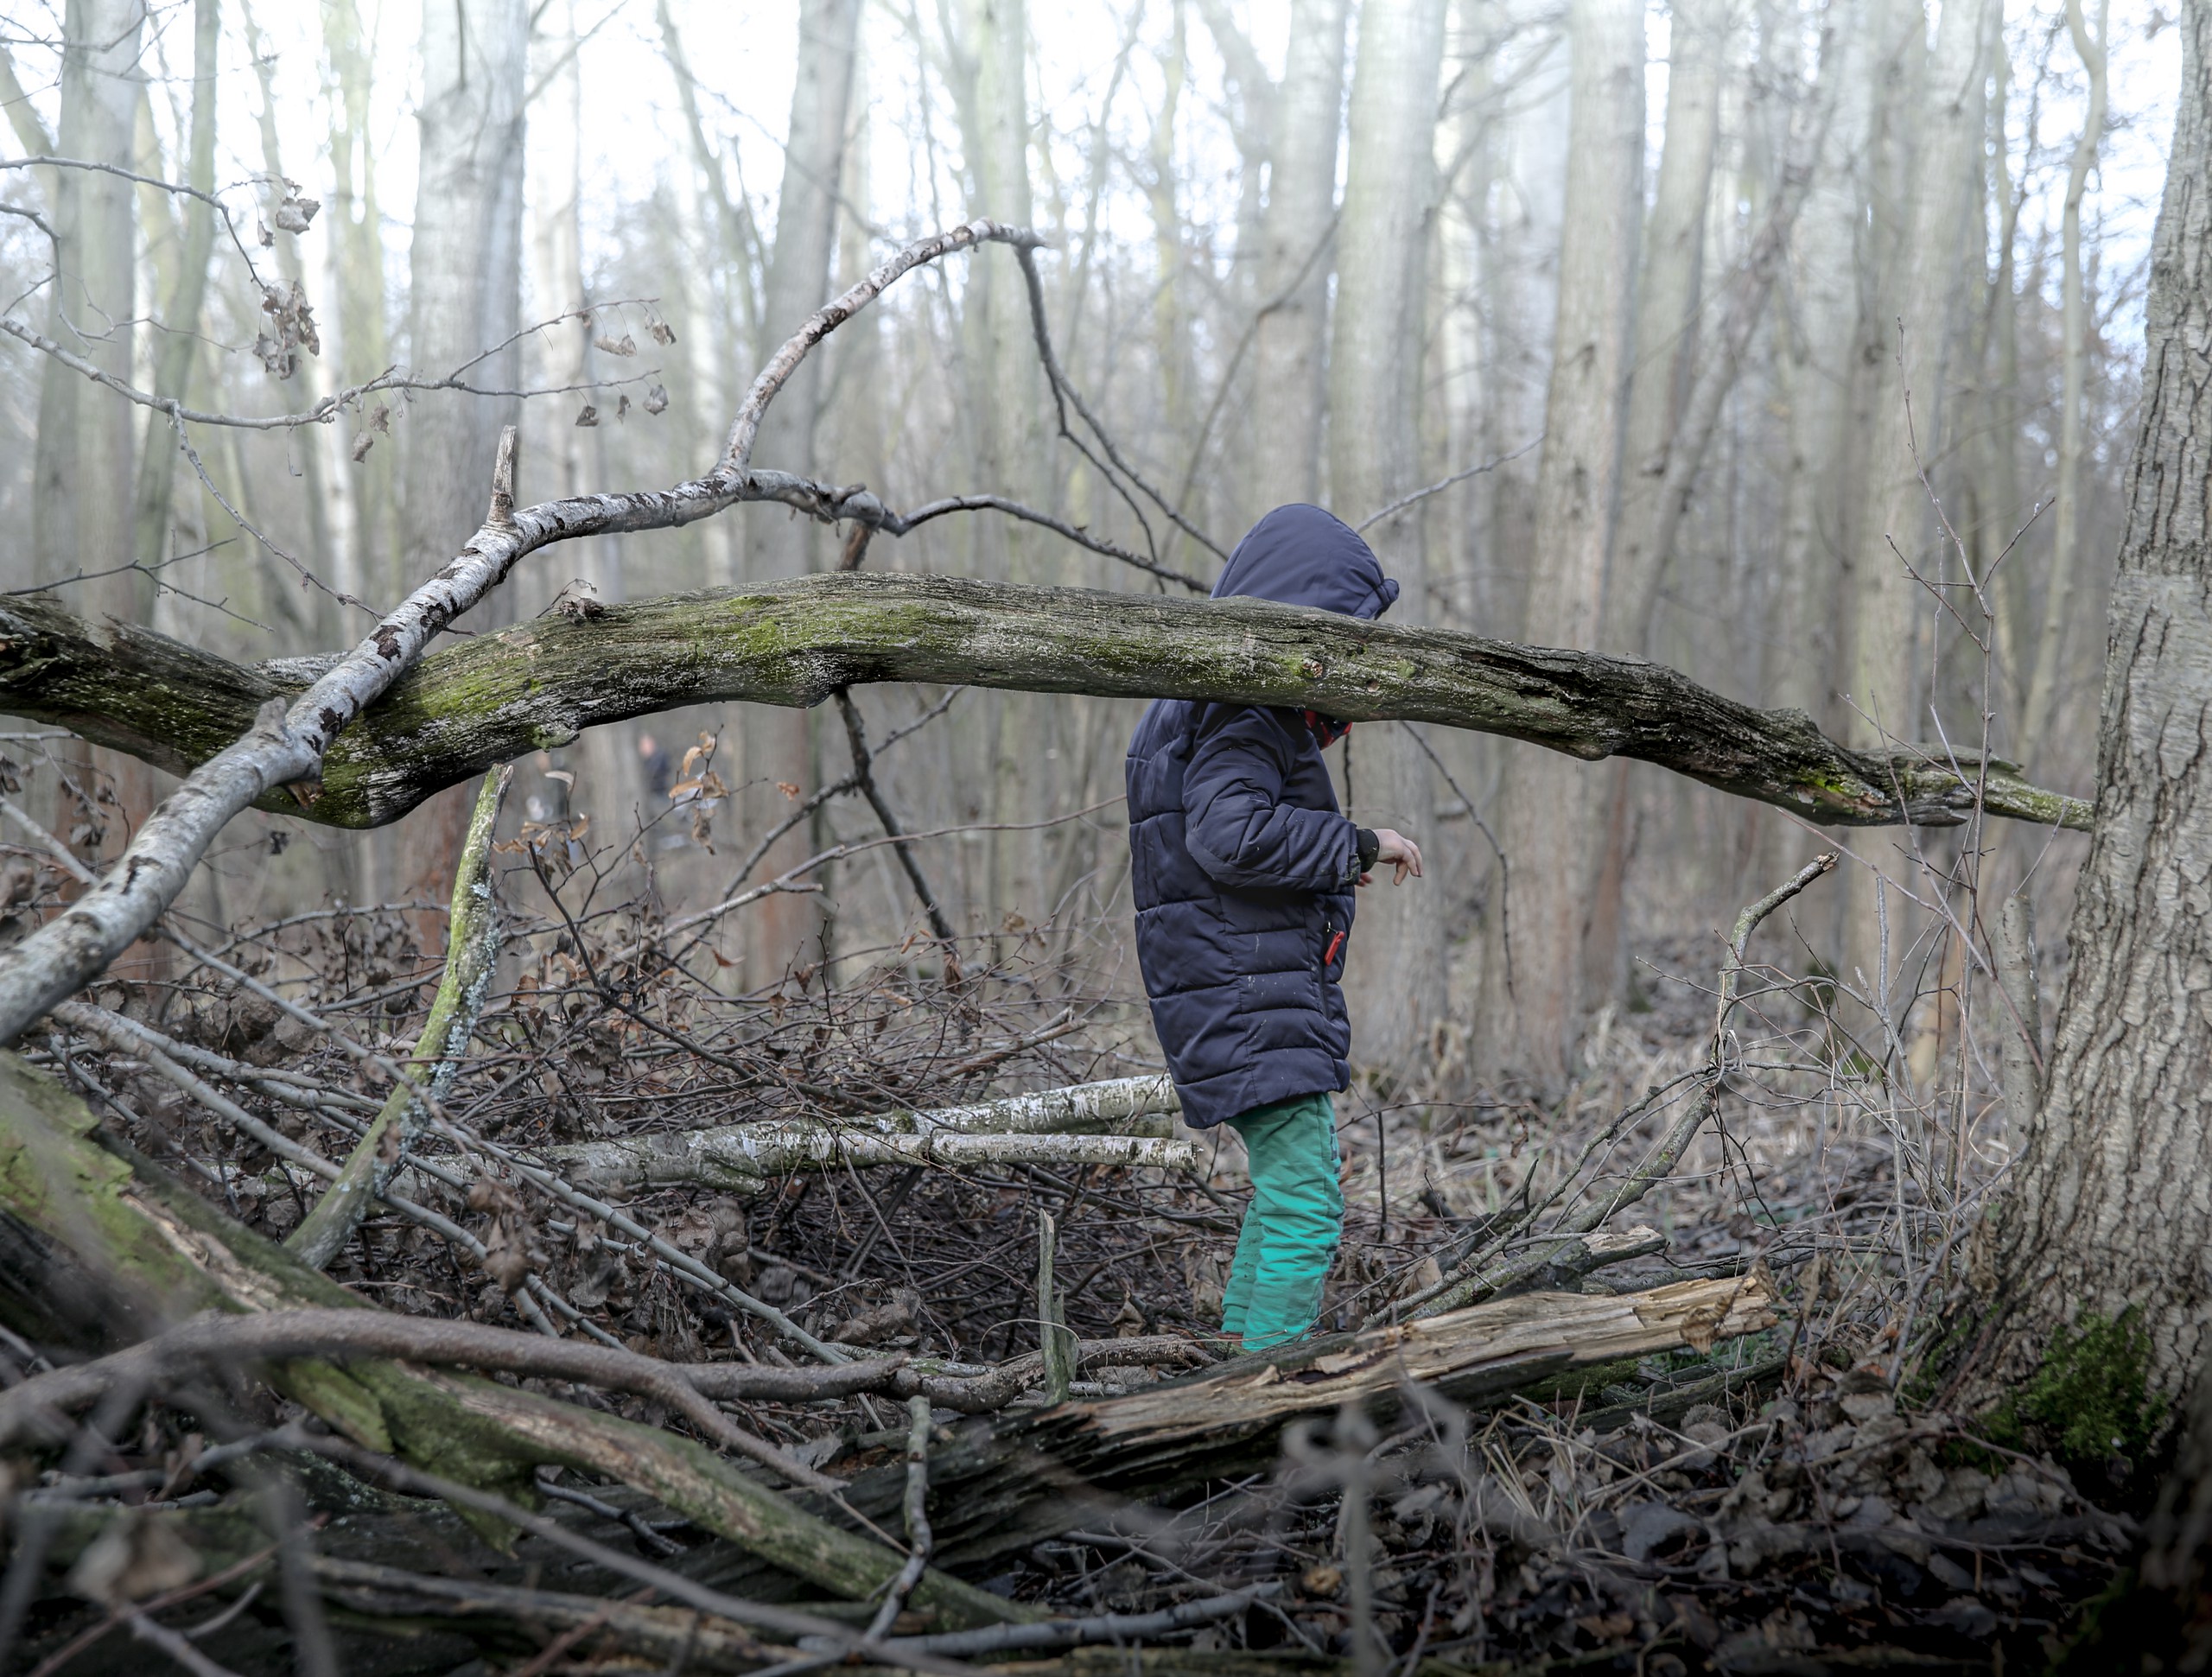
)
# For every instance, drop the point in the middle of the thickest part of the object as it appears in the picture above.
(134, 1250)
(459, 710)
(1036, 1128)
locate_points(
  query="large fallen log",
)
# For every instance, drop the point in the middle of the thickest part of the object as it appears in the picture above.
(459, 710)
(99, 1249)
(1051, 1126)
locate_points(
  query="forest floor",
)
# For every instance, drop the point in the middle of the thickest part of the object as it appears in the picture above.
(1797, 1500)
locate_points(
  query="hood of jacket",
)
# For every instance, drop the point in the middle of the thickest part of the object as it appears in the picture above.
(1303, 555)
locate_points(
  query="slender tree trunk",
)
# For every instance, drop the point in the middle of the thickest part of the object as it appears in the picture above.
(81, 500)
(464, 296)
(1890, 685)
(2066, 540)
(1547, 816)
(2107, 1214)
(1290, 345)
(180, 342)
(1666, 339)
(1667, 309)
(354, 283)
(1374, 457)
(778, 743)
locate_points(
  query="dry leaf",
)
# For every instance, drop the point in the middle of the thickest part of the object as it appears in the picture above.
(362, 444)
(132, 1559)
(622, 408)
(589, 416)
(579, 602)
(656, 400)
(625, 344)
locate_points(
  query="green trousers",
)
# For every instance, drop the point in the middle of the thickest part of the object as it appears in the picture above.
(1291, 1227)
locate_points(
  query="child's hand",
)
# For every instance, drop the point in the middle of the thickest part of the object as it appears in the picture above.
(1399, 850)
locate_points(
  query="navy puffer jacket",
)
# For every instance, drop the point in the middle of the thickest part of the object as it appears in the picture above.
(1242, 868)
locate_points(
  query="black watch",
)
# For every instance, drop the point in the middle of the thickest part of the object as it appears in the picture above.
(1369, 847)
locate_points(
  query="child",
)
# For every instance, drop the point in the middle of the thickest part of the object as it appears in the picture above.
(1243, 870)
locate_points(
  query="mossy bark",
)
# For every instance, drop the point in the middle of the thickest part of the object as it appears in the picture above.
(540, 684)
(139, 1250)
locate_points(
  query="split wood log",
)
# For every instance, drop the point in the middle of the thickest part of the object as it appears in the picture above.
(1006, 1483)
(538, 684)
(96, 1248)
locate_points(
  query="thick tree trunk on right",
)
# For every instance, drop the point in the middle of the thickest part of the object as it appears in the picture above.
(2109, 1214)
(1548, 805)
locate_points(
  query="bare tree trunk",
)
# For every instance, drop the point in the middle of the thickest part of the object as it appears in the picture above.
(1667, 309)
(1665, 346)
(1374, 457)
(778, 743)
(465, 285)
(355, 286)
(180, 342)
(1290, 341)
(2066, 540)
(1890, 683)
(80, 505)
(1547, 808)
(1006, 403)
(2107, 1220)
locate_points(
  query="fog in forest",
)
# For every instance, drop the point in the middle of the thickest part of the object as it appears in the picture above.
(1778, 365)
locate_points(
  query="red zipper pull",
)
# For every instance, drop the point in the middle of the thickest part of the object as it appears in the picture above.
(1335, 944)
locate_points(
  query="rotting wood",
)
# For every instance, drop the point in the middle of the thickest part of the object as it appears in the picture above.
(542, 684)
(136, 1247)
(1006, 1483)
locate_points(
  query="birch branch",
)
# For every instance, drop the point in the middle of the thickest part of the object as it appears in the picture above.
(738, 1156)
(287, 743)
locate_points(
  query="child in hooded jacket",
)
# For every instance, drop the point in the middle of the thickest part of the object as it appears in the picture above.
(1243, 871)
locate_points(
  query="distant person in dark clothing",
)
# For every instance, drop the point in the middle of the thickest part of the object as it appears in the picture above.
(660, 773)
(1243, 871)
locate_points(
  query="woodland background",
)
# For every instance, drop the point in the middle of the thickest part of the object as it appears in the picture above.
(1664, 328)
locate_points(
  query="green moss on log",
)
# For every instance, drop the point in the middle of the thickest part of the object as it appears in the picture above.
(498, 696)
